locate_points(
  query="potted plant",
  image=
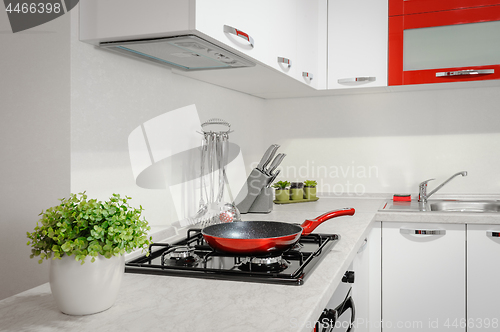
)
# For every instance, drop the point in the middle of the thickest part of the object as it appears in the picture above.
(281, 192)
(296, 191)
(86, 240)
(310, 189)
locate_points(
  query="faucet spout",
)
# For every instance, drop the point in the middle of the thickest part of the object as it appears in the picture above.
(423, 196)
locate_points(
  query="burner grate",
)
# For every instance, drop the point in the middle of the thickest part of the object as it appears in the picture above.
(192, 257)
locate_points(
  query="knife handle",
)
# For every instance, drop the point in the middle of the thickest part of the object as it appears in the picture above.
(276, 162)
(266, 158)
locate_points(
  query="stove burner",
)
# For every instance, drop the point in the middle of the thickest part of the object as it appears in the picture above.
(264, 264)
(193, 257)
(183, 255)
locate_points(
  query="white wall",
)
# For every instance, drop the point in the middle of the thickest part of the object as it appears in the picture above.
(112, 94)
(34, 141)
(392, 141)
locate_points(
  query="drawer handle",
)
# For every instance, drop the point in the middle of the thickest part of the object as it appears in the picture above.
(307, 75)
(357, 79)
(465, 72)
(239, 33)
(423, 231)
(492, 234)
(285, 61)
(363, 246)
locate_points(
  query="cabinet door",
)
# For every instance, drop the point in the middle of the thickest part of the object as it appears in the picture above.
(282, 32)
(357, 43)
(366, 291)
(248, 18)
(311, 58)
(445, 46)
(423, 277)
(483, 274)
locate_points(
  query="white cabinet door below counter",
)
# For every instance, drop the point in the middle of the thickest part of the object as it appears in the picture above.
(483, 274)
(423, 277)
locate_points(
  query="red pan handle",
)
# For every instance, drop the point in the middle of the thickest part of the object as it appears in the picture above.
(310, 224)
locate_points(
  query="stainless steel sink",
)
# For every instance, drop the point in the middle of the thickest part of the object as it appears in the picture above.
(465, 206)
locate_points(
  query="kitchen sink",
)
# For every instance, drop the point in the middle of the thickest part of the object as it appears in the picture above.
(464, 206)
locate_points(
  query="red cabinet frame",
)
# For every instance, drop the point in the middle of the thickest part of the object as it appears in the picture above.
(405, 7)
(399, 23)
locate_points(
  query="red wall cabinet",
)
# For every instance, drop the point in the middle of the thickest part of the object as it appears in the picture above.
(443, 41)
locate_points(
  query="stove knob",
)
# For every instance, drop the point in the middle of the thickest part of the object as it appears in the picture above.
(348, 277)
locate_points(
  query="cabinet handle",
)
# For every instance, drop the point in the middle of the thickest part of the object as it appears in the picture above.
(363, 246)
(307, 75)
(423, 231)
(239, 33)
(285, 61)
(465, 72)
(492, 234)
(357, 79)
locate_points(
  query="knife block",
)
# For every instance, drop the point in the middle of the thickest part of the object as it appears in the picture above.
(264, 202)
(256, 183)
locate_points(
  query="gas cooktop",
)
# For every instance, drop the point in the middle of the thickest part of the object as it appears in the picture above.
(193, 257)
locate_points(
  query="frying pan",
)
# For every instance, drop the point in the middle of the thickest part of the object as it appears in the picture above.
(257, 238)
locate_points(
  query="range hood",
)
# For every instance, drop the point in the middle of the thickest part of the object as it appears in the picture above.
(188, 53)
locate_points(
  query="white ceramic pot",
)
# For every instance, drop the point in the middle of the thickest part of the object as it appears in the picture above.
(86, 289)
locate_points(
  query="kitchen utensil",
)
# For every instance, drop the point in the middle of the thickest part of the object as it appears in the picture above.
(203, 208)
(217, 150)
(267, 157)
(254, 238)
(273, 177)
(276, 162)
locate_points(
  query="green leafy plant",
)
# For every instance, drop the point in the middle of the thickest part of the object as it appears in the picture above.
(310, 183)
(87, 228)
(281, 184)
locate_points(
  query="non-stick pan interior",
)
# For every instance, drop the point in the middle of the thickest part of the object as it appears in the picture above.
(251, 230)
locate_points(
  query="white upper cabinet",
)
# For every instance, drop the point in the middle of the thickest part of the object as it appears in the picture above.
(239, 24)
(357, 43)
(311, 60)
(285, 39)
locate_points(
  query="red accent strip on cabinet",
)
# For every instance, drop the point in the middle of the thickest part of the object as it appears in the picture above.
(395, 54)
(241, 33)
(395, 7)
(425, 6)
(452, 17)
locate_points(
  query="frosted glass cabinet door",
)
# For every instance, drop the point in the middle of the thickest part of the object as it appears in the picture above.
(447, 46)
(483, 275)
(423, 277)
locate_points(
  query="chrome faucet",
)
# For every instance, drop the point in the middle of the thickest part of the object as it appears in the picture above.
(422, 187)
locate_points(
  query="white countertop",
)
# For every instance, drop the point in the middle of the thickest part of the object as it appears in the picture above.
(149, 302)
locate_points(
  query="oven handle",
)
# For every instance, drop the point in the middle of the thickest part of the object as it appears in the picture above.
(333, 314)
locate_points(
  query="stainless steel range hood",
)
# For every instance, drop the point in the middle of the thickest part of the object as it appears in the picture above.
(187, 53)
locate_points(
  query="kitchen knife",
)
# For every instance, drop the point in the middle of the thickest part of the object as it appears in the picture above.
(272, 178)
(276, 162)
(266, 158)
